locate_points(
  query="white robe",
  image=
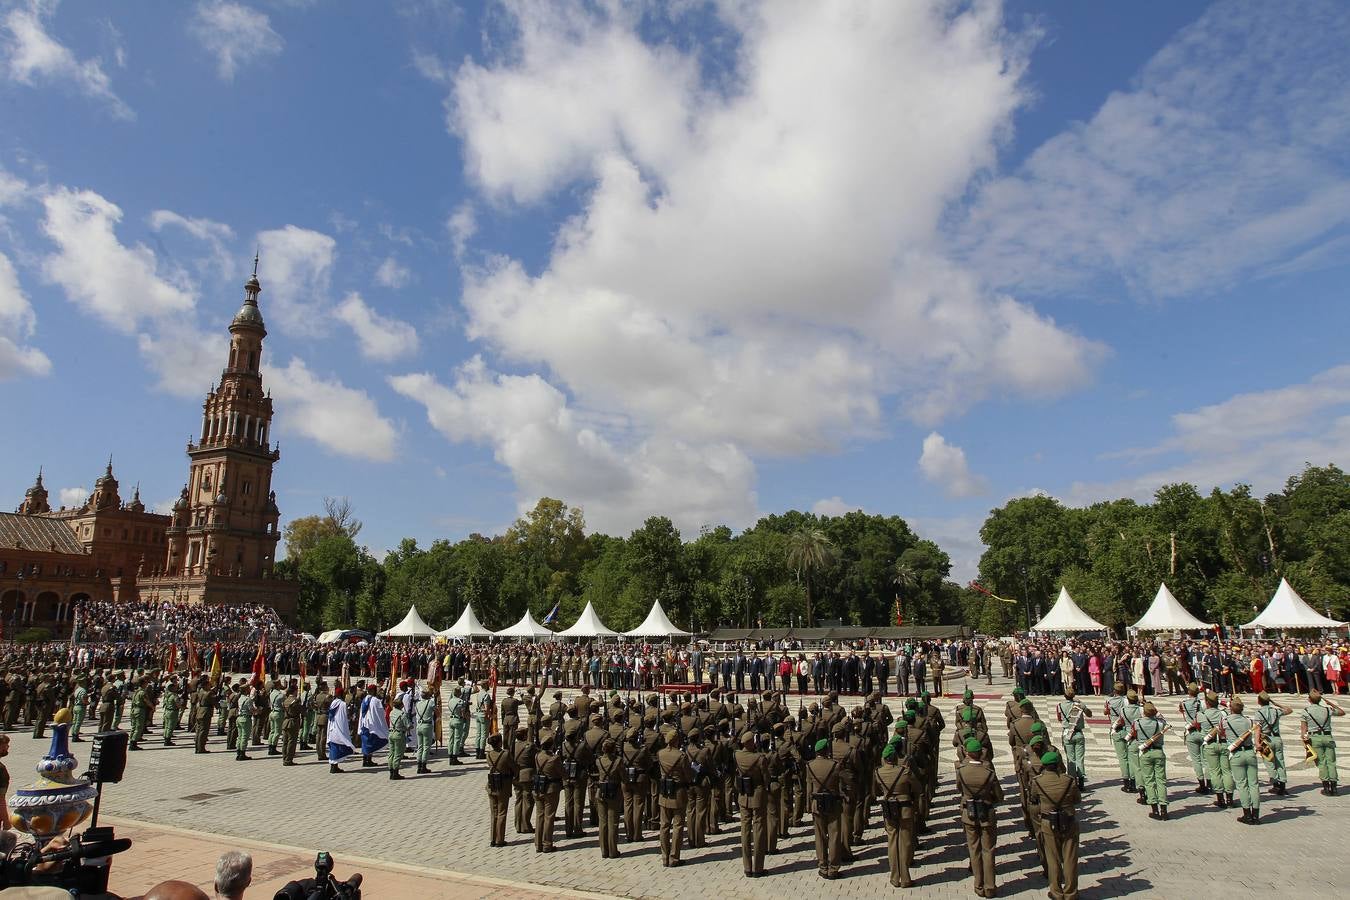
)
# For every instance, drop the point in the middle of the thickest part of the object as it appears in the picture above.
(339, 734)
(373, 724)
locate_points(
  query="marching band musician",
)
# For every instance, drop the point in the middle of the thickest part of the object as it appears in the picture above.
(1195, 738)
(1072, 713)
(1316, 729)
(1268, 714)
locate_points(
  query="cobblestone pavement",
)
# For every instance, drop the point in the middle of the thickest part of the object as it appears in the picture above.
(440, 820)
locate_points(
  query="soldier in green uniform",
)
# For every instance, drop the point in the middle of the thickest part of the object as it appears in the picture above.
(243, 721)
(1056, 795)
(1195, 738)
(171, 705)
(307, 716)
(1114, 710)
(398, 741)
(455, 711)
(120, 698)
(1316, 730)
(980, 793)
(673, 779)
(1216, 755)
(1073, 714)
(895, 788)
(276, 698)
(424, 715)
(1243, 734)
(501, 774)
(140, 713)
(291, 711)
(320, 702)
(481, 701)
(1268, 714)
(608, 798)
(79, 705)
(1132, 712)
(752, 779)
(1148, 735)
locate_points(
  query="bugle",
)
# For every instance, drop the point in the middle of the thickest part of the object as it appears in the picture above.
(1309, 753)
(1266, 751)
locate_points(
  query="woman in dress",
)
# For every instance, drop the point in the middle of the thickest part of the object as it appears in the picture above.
(1095, 672)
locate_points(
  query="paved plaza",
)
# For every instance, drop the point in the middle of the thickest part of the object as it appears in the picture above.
(440, 821)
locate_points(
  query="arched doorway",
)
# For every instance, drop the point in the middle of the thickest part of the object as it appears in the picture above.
(11, 608)
(45, 607)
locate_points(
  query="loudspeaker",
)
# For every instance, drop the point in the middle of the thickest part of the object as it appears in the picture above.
(107, 758)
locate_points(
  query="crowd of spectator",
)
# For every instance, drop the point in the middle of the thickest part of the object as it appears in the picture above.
(167, 621)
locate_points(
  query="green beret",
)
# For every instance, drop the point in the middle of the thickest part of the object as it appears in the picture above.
(974, 746)
(890, 751)
(925, 696)
(910, 716)
(1037, 727)
(1049, 758)
(1027, 704)
(1018, 693)
(968, 694)
(911, 703)
(822, 745)
(1037, 739)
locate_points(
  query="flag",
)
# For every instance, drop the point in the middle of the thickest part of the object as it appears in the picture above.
(988, 593)
(552, 614)
(260, 661)
(215, 665)
(345, 677)
(303, 673)
(493, 728)
(173, 657)
(394, 669)
(899, 616)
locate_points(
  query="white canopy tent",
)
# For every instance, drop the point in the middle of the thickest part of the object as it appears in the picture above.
(467, 626)
(1066, 616)
(588, 625)
(657, 624)
(1288, 610)
(1167, 614)
(412, 626)
(527, 627)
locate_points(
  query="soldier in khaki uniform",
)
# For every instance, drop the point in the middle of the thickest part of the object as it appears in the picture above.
(501, 775)
(673, 779)
(824, 788)
(522, 755)
(205, 708)
(752, 778)
(701, 764)
(980, 794)
(291, 712)
(548, 780)
(895, 788)
(576, 765)
(1056, 796)
(636, 784)
(608, 798)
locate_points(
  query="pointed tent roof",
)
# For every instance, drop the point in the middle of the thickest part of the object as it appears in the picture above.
(1166, 614)
(657, 624)
(411, 626)
(1066, 616)
(588, 624)
(467, 626)
(527, 627)
(1288, 610)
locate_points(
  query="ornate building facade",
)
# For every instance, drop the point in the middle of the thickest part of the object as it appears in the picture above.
(217, 546)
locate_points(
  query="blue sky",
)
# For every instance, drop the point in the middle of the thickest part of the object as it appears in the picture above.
(708, 263)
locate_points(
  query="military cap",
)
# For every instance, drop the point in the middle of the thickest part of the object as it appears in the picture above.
(839, 728)
(597, 718)
(973, 746)
(1036, 739)
(1037, 727)
(968, 694)
(545, 734)
(822, 745)
(695, 734)
(889, 751)
(1018, 693)
(557, 694)
(524, 731)
(1049, 758)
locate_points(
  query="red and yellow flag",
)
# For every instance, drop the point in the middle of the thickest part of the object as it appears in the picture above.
(215, 664)
(260, 661)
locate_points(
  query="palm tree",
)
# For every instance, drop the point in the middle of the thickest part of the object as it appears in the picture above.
(809, 551)
(906, 578)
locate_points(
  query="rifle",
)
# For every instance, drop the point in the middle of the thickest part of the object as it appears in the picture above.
(1233, 747)
(1147, 745)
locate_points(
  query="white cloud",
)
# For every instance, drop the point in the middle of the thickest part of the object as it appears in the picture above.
(757, 262)
(32, 55)
(553, 450)
(392, 274)
(120, 285)
(462, 225)
(959, 537)
(832, 506)
(1257, 438)
(17, 324)
(216, 235)
(344, 420)
(186, 360)
(73, 496)
(295, 270)
(12, 188)
(1218, 163)
(380, 338)
(945, 465)
(235, 34)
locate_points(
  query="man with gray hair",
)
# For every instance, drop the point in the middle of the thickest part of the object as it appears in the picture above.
(234, 873)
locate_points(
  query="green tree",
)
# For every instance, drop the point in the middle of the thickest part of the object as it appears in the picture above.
(808, 552)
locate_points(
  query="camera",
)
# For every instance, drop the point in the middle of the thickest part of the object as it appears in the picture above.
(81, 867)
(323, 886)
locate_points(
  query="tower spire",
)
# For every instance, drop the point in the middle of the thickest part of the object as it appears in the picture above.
(257, 251)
